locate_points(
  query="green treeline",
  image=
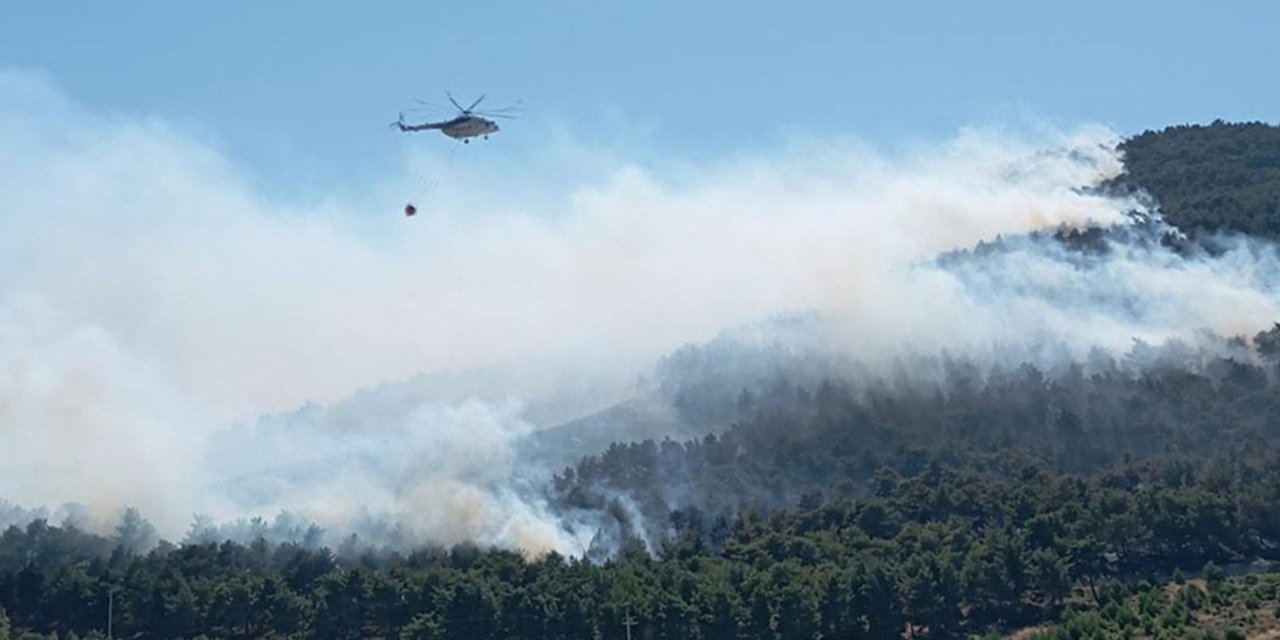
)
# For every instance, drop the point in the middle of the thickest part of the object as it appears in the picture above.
(945, 551)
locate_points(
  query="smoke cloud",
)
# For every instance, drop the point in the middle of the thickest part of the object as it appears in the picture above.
(155, 307)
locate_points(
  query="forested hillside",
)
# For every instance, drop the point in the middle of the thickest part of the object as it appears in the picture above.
(800, 445)
(940, 546)
(1114, 495)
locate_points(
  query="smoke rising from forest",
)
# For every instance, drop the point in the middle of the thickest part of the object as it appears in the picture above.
(154, 305)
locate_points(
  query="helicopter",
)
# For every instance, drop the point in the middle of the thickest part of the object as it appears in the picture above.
(468, 124)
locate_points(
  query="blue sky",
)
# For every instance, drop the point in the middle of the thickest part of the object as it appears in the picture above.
(299, 93)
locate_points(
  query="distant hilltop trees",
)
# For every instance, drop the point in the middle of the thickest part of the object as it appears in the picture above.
(1217, 177)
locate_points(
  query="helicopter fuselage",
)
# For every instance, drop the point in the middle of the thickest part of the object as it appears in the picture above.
(468, 127)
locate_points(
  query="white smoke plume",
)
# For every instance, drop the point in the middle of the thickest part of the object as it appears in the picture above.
(151, 301)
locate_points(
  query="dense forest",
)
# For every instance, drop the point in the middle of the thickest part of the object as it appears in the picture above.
(805, 446)
(1122, 496)
(941, 548)
(1207, 178)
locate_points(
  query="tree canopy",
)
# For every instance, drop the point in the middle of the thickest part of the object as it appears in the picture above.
(1220, 176)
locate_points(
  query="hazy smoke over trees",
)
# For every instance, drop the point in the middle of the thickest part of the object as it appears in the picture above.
(153, 307)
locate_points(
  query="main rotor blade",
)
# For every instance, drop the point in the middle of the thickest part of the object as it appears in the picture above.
(509, 109)
(473, 104)
(455, 102)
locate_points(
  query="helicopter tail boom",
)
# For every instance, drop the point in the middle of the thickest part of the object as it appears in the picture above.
(426, 126)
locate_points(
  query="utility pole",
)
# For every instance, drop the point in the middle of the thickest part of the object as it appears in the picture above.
(628, 622)
(111, 603)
